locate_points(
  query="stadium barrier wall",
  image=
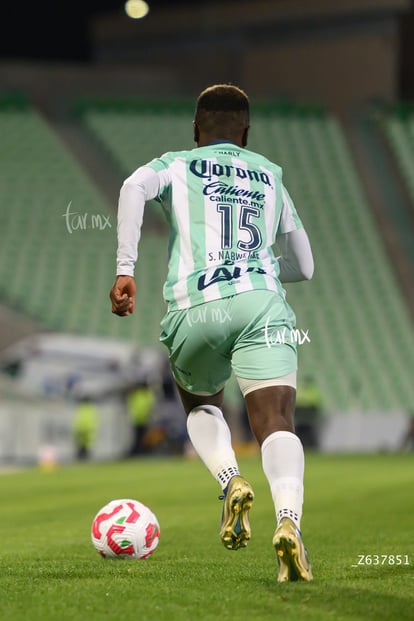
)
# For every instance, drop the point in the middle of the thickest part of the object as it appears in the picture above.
(34, 431)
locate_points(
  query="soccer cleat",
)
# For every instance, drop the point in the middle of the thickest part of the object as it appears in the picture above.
(291, 553)
(235, 525)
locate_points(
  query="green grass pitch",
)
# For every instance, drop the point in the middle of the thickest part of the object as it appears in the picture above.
(354, 506)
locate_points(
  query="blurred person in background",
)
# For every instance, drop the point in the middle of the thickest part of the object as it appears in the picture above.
(171, 416)
(407, 443)
(140, 404)
(308, 412)
(85, 427)
(226, 306)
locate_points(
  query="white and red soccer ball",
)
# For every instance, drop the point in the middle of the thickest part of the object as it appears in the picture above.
(125, 529)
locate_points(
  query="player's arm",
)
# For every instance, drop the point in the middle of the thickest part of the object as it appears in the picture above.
(296, 259)
(140, 187)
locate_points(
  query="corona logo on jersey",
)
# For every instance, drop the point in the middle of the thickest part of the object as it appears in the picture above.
(208, 169)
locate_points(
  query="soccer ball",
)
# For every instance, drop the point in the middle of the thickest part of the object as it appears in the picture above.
(125, 529)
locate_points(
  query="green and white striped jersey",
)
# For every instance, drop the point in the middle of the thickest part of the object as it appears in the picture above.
(225, 205)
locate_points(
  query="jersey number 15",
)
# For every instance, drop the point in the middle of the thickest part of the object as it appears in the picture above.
(245, 224)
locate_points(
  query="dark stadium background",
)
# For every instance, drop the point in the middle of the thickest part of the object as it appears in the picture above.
(55, 31)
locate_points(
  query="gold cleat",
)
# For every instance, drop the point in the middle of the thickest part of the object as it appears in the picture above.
(291, 553)
(235, 525)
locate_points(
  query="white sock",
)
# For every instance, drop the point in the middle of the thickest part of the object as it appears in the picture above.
(211, 438)
(283, 464)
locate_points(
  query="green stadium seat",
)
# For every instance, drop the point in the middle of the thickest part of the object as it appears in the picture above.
(359, 326)
(57, 277)
(362, 341)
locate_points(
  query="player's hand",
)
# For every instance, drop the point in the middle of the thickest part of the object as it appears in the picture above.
(122, 295)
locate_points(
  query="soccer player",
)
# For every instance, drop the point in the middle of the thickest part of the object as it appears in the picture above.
(226, 206)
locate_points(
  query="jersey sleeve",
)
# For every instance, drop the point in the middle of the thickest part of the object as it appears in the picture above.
(289, 218)
(160, 166)
(146, 183)
(296, 259)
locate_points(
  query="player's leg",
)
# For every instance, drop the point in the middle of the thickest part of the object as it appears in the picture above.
(271, 415)
(265, 362)
(211, 439)
(201, 365)
(210, 434)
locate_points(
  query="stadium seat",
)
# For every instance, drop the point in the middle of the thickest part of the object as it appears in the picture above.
(51, 267)
(361, 351)
(361, 336)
